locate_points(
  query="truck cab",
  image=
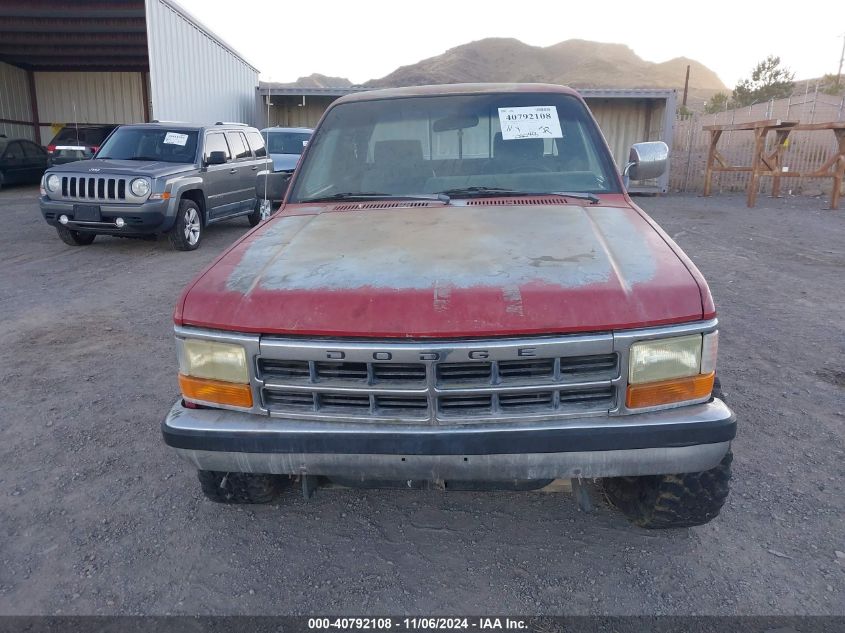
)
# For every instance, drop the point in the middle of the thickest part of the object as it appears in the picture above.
(457, 288)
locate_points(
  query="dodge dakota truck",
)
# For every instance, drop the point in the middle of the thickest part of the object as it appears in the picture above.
(457, 288)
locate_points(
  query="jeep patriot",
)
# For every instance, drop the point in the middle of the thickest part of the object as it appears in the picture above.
(158, 178)
(456, 289)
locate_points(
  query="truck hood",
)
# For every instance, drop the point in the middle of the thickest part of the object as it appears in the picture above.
(446, 271)
(152, 168)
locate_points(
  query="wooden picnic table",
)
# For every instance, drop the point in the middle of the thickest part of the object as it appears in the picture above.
(770, 163)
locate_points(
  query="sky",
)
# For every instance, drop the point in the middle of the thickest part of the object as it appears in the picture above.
(367, 39)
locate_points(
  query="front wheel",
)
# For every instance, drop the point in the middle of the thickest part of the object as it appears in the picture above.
(75, 238)
(187, 232)
(240, 487)
(671, 501)
(263, 210)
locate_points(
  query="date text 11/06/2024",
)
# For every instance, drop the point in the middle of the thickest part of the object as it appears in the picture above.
(418, 624)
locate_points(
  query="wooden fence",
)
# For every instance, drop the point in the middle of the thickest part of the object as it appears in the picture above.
(805, 152)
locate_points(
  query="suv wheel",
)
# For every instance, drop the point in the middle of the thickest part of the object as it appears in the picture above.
(671, 501)
(187, 232)
(75, 238)
(263, 210)
(241, 487)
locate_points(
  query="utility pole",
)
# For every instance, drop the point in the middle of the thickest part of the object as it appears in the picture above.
(686, 84)
(841, 58)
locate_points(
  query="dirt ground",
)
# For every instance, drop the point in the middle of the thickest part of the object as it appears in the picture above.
(97, 516)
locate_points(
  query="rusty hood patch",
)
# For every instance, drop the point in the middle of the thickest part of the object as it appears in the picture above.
(447, 271)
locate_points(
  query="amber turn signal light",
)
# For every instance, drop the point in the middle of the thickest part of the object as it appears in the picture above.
(217, 391)
(652, 394)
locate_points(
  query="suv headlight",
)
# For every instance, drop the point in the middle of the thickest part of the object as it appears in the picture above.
(53, 182)
(671, 370)
(214, 372)
(139, 187)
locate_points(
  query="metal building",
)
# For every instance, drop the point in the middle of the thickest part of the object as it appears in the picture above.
(626, 116)
(122, 61)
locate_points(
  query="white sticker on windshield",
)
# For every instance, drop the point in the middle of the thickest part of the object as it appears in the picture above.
(174, 138)
(304, 143)
(529, 122)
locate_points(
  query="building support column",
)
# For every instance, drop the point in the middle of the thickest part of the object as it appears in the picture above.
(33, 105)
(145, 95)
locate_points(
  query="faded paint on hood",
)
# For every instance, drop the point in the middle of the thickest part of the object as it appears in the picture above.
(447, 271)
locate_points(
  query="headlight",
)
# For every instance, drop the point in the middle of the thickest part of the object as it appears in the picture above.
(672, 370)
(140, 187)
(212, 372)
(53, 182)
(662, 359)
(210, 359)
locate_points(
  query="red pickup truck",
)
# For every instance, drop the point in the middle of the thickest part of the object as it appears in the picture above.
(457, 288)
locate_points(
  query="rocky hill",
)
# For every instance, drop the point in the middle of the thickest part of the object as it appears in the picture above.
(577, 63)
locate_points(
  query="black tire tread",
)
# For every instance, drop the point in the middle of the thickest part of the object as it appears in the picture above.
(671, 501)
(177, 233)
(74, 238)
(223, 487)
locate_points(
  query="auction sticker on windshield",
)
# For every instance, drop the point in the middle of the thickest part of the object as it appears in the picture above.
(529, 122)
(174, 138)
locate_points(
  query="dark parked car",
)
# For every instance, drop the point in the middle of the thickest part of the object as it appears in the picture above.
(21, 161)
(77, 142)
(285, 145)
(158, 178)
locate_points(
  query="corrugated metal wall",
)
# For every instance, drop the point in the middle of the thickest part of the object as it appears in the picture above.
(193, 77)
(289, 111)
(625, 121)
(14, 102)
(87, 97)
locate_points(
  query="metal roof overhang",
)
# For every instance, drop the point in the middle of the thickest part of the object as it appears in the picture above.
(74, 35)
(271, 89)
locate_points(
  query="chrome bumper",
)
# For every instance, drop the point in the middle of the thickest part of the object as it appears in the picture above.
(686, 439)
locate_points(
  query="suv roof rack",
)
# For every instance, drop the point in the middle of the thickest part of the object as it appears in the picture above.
(162, 121)
(230, 123)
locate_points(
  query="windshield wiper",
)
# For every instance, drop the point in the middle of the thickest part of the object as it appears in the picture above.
(373, 195)
(491, 192)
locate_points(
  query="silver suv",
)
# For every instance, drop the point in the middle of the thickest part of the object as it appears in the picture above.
(158, 178)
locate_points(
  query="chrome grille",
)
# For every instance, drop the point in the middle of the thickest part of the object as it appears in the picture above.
(438, 383)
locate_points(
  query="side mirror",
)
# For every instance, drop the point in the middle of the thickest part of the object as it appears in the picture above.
(646, 160)
(272, 185)
(216, 158)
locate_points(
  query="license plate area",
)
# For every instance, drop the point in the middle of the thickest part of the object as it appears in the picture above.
(86, 213)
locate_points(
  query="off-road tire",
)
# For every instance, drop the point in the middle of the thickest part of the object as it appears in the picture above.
(256, 217)
(223, 487)
(189, 213)
(75, 238)
(671, 501)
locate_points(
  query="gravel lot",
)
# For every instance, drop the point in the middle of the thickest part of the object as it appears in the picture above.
(97, 516)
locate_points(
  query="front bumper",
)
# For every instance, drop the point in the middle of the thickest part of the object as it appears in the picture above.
(153, 216)
(686, 439)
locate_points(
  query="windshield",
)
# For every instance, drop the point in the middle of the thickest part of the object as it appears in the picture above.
(287, 142)
(524, 142)
(136, 143)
